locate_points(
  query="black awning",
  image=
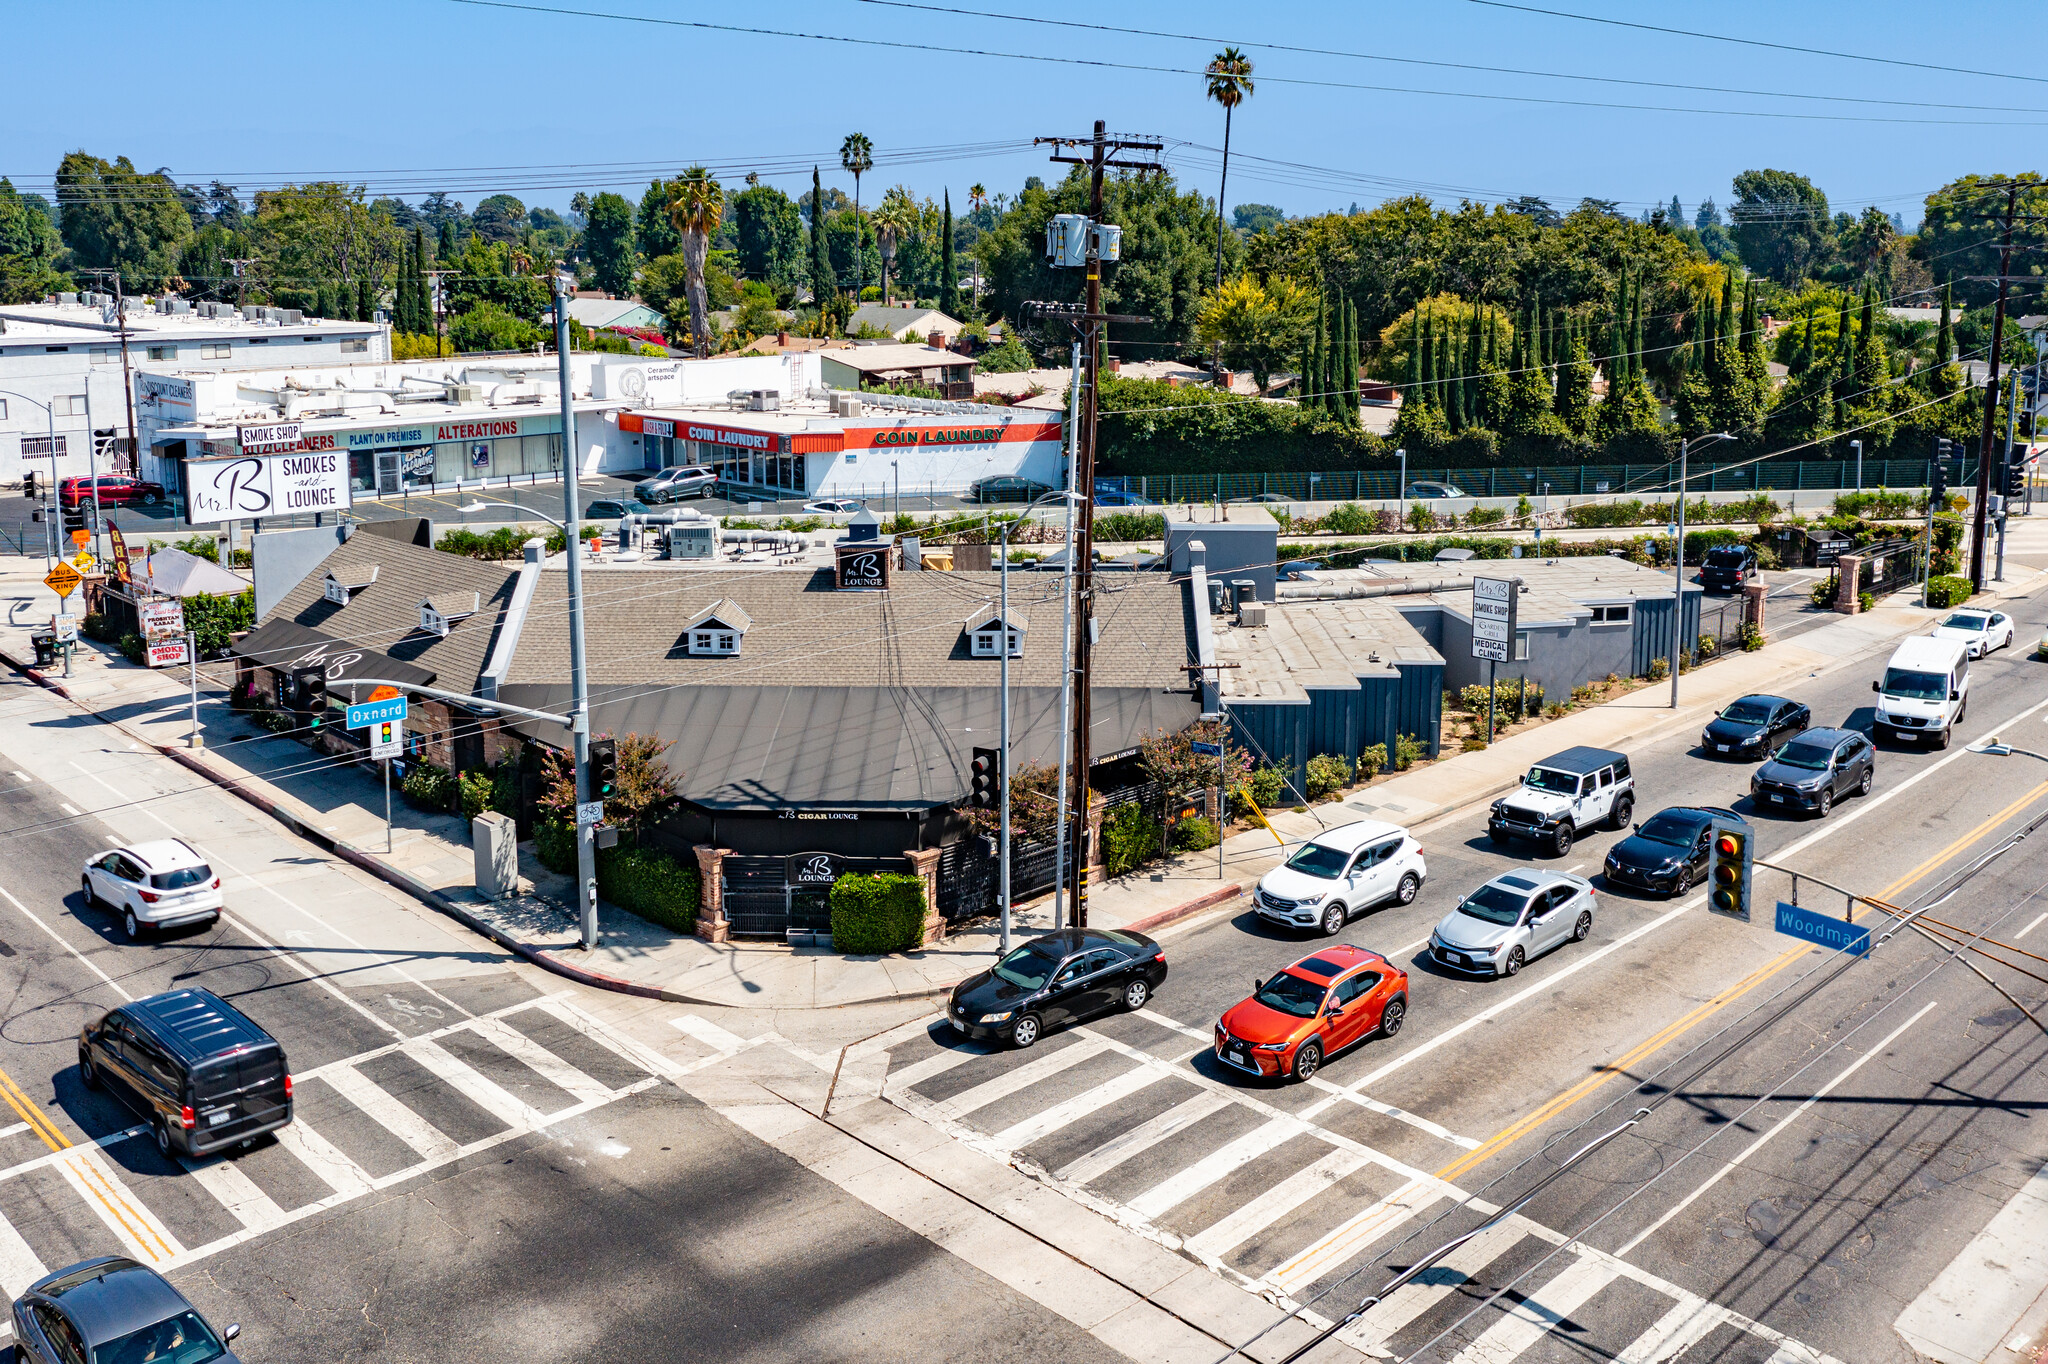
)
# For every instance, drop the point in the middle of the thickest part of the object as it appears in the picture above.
(286, 644)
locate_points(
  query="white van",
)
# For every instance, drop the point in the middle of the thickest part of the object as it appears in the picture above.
(1925, 690)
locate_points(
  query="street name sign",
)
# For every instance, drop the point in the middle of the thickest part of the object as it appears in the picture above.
(1822, 930)
(363, 714)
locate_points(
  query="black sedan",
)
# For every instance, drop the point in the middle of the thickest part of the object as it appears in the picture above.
(1753, 725)
(1814, 769)
(1061, 978)
(1667, 853)
(1006, 488)
(113, 1311)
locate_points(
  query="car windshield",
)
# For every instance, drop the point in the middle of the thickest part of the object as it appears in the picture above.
(1914, 686)
(1494, 904)
(1543, 779)
(181, 878)
(1812, 757)
(1028, 967)
(1672, 829)
(1963, 620)
(183, 1339)
(1747, 713)
(1291, 995)
(1317, 860)
(1724, 558)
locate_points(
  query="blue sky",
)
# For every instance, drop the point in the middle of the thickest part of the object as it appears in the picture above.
(410, 95)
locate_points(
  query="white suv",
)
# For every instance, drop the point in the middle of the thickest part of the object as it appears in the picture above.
(1339, 872)
(165, 884)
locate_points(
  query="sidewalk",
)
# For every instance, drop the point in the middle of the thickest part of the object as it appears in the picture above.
(340, 807)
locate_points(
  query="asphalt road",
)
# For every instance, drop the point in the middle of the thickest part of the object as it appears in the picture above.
(1820, 1235)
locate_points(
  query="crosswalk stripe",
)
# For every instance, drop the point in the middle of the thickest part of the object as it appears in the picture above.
(917, 1072)
(894, 1037)
(473, 1085)
(1143, 1137)
(1533, 1317)
(1414, 1120)
(19, 1266)
(541, 1061)
(1178, 1188)
(234, 1191)
(1274, 1204)
(408, 1126)
(147, 1239)
(709, 1033)
(1043, 1124)
(1415, 1297)
(1353, 1235)
(1684, 1326)
(1019, 1077)
(324, 1159)
(626, 1048)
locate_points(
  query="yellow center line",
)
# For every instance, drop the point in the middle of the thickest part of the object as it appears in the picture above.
(37, 1120)
(1621, 1064)
(96, 1183)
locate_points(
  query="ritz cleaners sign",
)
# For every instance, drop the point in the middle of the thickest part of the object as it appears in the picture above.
(271, 485)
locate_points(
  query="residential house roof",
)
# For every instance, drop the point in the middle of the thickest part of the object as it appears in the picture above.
(897, 319)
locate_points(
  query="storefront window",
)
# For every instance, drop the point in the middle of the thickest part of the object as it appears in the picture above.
(451, 461)
(362, 471)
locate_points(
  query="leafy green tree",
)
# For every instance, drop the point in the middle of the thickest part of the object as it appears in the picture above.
(323, 232)
(499, 218)
(1944, 376)
(1781, 224)
(1251, 219)
(1257, 326)
(768, 236)
(1961, 244)
(29, 246)
(115, 218)
(608, 243)
(653, 234)
(1574, 404)
(757, 315)
(489, 327)
(485, 274)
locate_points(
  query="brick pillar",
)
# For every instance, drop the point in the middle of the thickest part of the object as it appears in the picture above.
(712, 925)
(1850, 572)
(1753, 605)
(924, 863)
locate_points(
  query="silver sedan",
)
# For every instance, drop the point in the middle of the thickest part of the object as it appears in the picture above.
(1517, 915)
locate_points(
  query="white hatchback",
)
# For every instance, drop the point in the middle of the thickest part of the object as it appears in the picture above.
(1339, 872)
(166, 884)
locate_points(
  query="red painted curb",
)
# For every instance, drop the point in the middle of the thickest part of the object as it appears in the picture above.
(1194, 906)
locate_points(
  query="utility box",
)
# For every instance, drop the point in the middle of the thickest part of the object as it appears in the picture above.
(1066, 240)
(495, 839)
(693, 542)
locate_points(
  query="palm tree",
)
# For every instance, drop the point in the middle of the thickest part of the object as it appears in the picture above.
(857, 158)
(696, 205)
(896, 219)
(1230, 84)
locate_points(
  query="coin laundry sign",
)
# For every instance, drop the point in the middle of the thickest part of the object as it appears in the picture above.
(912, 435)
(273, 485)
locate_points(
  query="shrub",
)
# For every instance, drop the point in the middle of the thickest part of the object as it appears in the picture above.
(1554, 710)
(1486, 516)
(1660, 668)
(1268, 782)
(655, 886)
(1752, 638)
(1474, 743)
(427, 787)
(132, 648)
(1826, 590)
(1125, 526)
(1709, 646)
(1129, 838)
(1193, 835)
(276, 721)
(1421, 518)
(554, 843)
(1947, 590)
(1864, 601)
(880, 913)
(1372, 760)
(1407, 750)
(473, 793)
(1349, 518)
(214, 620)
(97, 626)
(1327, 775)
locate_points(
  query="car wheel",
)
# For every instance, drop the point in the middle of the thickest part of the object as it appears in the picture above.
(1583, 927)
(1024, 1032)
(163, 1139)
(1827, 802)
(1683, 883)
(85, 884)
(1333, 921)
(1562, 841)
(1869, 780)
(1496, 836)
(131, 925)
(149, 499)
(88, 1074)
(1406, 892)
(1135, 995)
(1941, 740)
(1514, 962)
(1393, 1015)
(1624, 806)
(1308, 1059)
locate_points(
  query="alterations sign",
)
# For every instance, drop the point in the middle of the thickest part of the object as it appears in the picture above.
(271, 485)
(1494, 603)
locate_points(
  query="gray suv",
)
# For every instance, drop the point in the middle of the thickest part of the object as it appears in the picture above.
(1813, 770)
(678, 481)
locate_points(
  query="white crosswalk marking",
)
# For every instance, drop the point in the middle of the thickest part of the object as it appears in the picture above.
(634, 1053)
(709, 1033)
(1143, 1137)
(1274, 1204)
(19, 1266)
(540, 1060)
(234, 1191)
(479, 1089)
(1534, 1316)
(1178, 1188)
(325, 1159)
(1418, 1295)
(917, 1072)
(1353, 1235)
(1019, 1077)
(1047, 1121)
(1677, 1331)
(408, 1126)
(87, 1171)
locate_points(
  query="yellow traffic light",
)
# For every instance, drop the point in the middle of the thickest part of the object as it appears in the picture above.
(1730, 870)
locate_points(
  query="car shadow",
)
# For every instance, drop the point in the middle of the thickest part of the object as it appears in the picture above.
(1256, 924)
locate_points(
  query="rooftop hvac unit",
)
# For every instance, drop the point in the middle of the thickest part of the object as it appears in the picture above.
(180, 307)
(465, 393)
(1252, 615)
(693, 542)
(252, 312)
(67, 299)
(764, 400)
(291, 316)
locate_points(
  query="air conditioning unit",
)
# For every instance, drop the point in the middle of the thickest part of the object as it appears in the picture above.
(252, 312)
(465, 393)
(693, 542)
(1252, 615)
(764, 400)
(291, 316)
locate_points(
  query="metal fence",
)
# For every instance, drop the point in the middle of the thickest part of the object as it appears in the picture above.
(1888, 566)
(1721, 621)
(760, 902)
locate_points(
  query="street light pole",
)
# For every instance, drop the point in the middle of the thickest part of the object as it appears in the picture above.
(50, 419)
(1003, 867)
(579, 683)
(1678, 563)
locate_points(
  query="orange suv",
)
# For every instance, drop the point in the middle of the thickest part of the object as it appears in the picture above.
(1311, 1011)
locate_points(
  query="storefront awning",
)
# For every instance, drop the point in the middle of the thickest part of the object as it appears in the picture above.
(286, 644)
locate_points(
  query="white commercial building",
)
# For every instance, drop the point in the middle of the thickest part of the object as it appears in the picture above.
(62, 360)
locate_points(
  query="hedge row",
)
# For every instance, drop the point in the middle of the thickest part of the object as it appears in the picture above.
(879, 913)
(651, 884)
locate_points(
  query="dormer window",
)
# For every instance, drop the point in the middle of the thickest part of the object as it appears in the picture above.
(342, 585)
(987, 631)
(716, 631)
(439, 615)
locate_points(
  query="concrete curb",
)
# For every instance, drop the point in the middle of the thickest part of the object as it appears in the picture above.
(1207, 900)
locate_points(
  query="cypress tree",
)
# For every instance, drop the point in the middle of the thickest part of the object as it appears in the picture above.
(401, 296)
(1455, 407)
(447, 244)
(823, 283)
(1866, 321)
(1347, 366)
(1317, 381)
(1727, 321)
(1443, 369)
(1427, 347)
(1945, 339)
(949, 277)
(1804, 357)
(1637, 373)
(1413, 393)
(1333, 368)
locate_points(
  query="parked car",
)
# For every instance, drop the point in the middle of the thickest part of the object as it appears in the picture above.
(1815, 768)
(1426, 489)
(1340, 872)
(1725, 568)
(1006, 488)
(833, 506)
(1752, 725)
(1262, 499)
(1060, 978)
(1563, 796)
(1925, 690)
(1312, 1010)
(162, 884)
(1667, 854)
(608, 509)
(111, 1310)
(1117, 497)
(1980, 631)
(115, 490)
(677, 481)
(199, 1071)
(1515, 917)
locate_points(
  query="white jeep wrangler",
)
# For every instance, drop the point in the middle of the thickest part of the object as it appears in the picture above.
(1578, 789)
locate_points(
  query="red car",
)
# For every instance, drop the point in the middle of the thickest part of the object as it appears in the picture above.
(115, 490)
(1311, 1011)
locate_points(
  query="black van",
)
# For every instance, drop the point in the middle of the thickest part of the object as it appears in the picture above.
(195, 1066)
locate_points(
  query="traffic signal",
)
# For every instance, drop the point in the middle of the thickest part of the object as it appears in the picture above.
(309, 695)
(73, 518)
(986, 789)
(1938, 477)
(604, 768)
(2015, 481)
(1729, 869)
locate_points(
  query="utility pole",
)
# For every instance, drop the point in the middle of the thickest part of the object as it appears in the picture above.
(579, 680)
(1977, 518)
(1102, 153)
(127, 384)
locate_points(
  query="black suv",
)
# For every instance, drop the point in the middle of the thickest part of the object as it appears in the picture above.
(1667, 853)
(1725, 568)
(197, 1069)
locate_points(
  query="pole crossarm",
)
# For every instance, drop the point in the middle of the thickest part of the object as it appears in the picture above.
(458, 697)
